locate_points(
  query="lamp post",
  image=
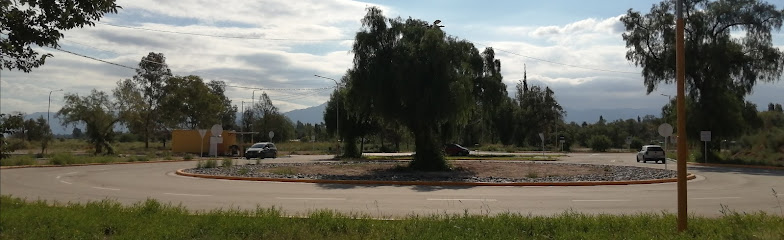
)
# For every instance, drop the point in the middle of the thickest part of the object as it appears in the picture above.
(253, 102)
(337, 109)
(47, 111)
(665, 139)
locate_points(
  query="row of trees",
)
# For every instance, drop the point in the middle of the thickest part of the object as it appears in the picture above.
(154, 102)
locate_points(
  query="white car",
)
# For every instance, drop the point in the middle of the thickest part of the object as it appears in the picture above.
(651, 153)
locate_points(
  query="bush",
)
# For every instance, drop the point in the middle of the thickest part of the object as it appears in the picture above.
(636, 144)
(600, 143)
(228, 162)
(22, 160)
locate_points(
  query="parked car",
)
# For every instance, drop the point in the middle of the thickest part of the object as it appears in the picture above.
(651, 153)
(456, 150)
(261, 150)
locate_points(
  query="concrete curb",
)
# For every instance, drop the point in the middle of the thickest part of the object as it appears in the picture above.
(92, 164)
(422, 183)
(736, 166)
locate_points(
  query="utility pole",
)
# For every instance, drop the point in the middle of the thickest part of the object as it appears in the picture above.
(683, 154)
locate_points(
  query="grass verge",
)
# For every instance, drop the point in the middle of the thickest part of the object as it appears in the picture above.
(152, 219)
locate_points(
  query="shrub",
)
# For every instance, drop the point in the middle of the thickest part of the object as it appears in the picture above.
(600, 143)
(211, 164)
(22, 160)
(228, 162)
(188, 157)
(636, 144)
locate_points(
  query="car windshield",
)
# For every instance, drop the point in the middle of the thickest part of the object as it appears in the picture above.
(259, 145)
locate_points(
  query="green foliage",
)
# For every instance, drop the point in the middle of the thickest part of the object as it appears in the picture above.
(728, 66)
(42, 23)
(21, 160)
(600, 143)
(227, 162)
(97, 112)
(111, 220)
(211, 163)
(435, 90)
(187, 157)
(636, 144)
(283, 171)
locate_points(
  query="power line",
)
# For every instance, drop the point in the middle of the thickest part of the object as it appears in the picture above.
(96, 59)
(223, 36)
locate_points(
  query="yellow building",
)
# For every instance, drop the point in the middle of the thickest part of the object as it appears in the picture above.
(187, 141)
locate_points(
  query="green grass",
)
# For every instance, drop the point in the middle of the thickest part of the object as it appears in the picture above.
(19, 160)
(153, 220)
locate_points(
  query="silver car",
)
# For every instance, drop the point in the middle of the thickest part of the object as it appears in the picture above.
(261, 150)
(651, 153)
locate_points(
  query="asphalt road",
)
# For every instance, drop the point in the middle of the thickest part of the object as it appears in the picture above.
(742, 190)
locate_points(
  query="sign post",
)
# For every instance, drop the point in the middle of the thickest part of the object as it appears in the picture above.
(705, 137)
(665, 130)
(202, 132)
(541, 136)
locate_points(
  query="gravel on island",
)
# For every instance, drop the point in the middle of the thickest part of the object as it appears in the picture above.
(608, 173)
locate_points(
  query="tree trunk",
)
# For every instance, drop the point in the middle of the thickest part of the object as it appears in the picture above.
(429, 155)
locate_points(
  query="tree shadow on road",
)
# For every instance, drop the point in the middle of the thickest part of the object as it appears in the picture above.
(740, 170)
(418, 188)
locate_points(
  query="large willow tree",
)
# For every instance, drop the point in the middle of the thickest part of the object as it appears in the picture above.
(728, 50)
(410, 72)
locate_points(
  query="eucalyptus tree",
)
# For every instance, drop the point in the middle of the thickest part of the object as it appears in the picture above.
(189, 103)
(150, 79)
(412, 72)
(728, 50)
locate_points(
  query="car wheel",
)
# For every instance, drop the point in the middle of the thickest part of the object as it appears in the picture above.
(637, 158)
(644, 160)
(247, 158)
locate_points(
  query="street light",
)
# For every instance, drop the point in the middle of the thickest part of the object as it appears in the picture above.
(253, 103)
(337, 109)
(47, 111)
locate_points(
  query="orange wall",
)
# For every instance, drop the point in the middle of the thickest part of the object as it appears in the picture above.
(187, 141)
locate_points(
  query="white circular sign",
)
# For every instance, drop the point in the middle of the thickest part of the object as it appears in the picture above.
(216, 130)
(271, 134)
(665, 130)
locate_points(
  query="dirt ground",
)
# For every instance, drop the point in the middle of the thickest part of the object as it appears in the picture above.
(461, 168)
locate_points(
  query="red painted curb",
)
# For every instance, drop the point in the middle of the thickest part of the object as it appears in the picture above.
(421, 183)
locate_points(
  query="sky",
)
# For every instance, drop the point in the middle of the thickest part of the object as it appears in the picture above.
(279, 45)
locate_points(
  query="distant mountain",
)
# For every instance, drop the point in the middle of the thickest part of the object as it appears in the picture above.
(310, 115)
(592, 115)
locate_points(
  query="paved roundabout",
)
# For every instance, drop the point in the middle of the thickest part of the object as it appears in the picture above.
(740, 189)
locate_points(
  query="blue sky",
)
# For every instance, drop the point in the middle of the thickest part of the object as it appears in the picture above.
(313, 37)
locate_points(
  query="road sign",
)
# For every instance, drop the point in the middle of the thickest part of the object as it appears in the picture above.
(541, 136)
(271, 134)
(705, 136)
(665, 130)
(216, 130)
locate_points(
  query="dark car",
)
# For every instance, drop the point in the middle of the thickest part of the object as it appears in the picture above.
(261, 150)
(456, 150)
